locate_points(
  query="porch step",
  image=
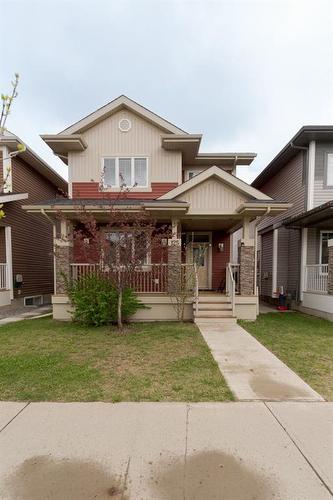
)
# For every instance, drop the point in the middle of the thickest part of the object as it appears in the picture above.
(215, 320)
(218, 299)
(214, 314)
(215, 306)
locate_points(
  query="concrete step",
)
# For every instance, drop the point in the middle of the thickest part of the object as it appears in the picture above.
(215, 320)
(203, 299)
(214, 314)
(213, 307)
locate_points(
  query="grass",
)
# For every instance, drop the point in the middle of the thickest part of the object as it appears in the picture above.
(302, 342)
(46, 360)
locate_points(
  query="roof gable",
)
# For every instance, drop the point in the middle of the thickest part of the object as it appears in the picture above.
(219, 175)
(121, 102)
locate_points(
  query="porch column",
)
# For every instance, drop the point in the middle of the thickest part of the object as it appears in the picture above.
(330, 267)
(63, 254)
(246, 261)
(174, 255)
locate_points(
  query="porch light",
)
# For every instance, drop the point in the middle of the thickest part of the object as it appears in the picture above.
(221, 247)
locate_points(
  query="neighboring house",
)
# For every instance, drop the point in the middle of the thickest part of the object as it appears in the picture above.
(26, 241)
(294, 251)
(197, 194)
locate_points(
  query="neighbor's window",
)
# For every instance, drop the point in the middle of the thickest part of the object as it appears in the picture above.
(127, 246)
(193, 173)
(129, 172)
(323, 251)
(329, 170)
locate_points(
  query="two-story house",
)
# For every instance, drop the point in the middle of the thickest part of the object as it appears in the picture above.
(26, 241)
(197, 194)
(294, 247)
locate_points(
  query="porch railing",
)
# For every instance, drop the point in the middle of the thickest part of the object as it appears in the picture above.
(235, 273)
(150, 278)
(231, 286)
(315, 278)
(3, 276)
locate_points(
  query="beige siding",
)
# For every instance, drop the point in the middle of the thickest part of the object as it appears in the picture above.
(287, 185)
(143, 139)
(212, 195)
(322, 193)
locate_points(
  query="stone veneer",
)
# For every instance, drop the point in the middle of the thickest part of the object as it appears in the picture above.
(246, 270)
(63, 258)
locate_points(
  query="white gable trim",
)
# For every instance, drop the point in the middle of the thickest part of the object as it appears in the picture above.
(223, 176)
(114, 106)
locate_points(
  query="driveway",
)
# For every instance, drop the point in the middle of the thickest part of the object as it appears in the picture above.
(160, 451)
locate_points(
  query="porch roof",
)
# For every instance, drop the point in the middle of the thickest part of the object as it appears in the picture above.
(319, 217)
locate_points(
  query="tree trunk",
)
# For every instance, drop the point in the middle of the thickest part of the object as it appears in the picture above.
(119, 316)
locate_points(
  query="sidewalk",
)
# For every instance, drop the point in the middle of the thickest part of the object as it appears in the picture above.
(252, 371)
(164, 451)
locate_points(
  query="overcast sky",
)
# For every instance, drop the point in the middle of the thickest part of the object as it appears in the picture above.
(247, 74)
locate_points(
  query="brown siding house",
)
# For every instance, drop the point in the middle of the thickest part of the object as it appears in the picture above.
(26, 241)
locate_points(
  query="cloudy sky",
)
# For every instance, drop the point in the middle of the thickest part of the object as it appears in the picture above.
(245, 73)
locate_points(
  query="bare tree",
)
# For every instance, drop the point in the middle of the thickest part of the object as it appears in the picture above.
(121, 248)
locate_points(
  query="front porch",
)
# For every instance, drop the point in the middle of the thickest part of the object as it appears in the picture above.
(316, 277)
(218, 290)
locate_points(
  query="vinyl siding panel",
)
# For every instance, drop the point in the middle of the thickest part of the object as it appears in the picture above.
(143, 139)
(219, 259)
(212, 195)
(266, 263)
(294, 258)
(92, 190)
(287, 185)
(32, 238)
(313, 246)
(322, 193)
(282, 258)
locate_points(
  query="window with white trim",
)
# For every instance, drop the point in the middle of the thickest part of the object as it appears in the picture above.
(125, 172)
(125, 246)
(192, 173)
(329, 170)
(323, 250)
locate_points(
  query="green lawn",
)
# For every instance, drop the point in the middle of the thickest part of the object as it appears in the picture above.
(304, 343)
(46, 360)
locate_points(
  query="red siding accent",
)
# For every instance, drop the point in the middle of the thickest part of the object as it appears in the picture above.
(91, 190)
(219, 259)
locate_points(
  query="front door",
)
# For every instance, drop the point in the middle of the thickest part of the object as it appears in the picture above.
(200, 256)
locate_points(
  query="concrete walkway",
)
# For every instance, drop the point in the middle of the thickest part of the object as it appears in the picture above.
(19, 314)
(252, 371)
(166, 451)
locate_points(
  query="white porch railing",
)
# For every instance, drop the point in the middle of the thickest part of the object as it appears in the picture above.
(315, 278)
(231, 286)
(150, 278)
(235, 273)
(3, 276)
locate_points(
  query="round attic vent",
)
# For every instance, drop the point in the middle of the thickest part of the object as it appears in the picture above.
(124, 125)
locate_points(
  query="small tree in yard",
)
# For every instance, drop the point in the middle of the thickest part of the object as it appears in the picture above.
(183, 281)
(6, 105)
(119, 248)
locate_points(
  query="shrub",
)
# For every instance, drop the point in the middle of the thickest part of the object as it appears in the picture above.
(95, 300)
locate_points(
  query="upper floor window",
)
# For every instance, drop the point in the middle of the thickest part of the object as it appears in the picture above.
(192, 173)
(129, 172)
(329, 170)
